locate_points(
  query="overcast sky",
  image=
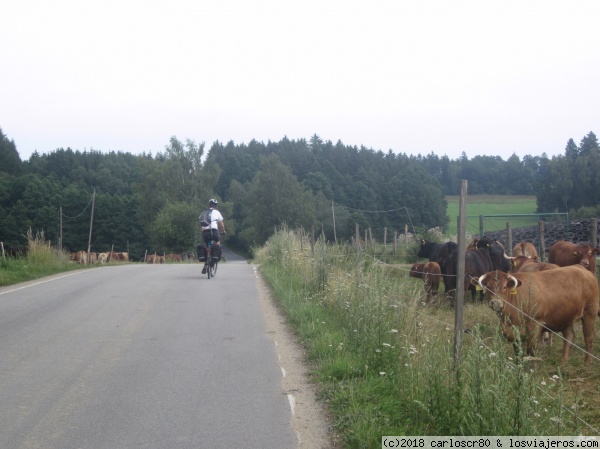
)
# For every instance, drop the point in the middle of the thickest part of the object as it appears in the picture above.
(413, 76)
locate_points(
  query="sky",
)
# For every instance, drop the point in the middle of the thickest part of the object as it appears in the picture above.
(411, 76)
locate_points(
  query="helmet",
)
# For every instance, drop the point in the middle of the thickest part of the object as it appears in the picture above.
(212, 202)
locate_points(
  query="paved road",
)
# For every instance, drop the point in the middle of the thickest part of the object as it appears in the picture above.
(140, 356)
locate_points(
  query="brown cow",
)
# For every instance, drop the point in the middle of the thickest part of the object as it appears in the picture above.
(525, 249)
(544, 300)
(431, 273)
(525, 263)
(173, 257)
(154, 258)
(79, 257)
(564, 253)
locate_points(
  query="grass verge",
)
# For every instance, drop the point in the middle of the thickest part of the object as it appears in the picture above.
(384, 361)
(41, 260)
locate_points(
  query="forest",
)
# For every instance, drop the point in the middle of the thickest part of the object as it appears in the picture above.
(146, 202)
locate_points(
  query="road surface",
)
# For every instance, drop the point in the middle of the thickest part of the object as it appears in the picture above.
(149, 356)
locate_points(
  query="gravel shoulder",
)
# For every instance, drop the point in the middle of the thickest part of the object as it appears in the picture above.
(309, 416)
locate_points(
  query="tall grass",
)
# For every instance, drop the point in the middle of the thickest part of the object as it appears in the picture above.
(385, 361)
(41, 260)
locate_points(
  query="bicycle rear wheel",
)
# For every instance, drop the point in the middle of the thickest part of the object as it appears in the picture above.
(213, 268)
(208, 262)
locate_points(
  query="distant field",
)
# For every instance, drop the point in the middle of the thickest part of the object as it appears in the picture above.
(489, 205)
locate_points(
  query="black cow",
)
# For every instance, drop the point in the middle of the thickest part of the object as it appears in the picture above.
(488, 255)
(440, 253)
(14, 250)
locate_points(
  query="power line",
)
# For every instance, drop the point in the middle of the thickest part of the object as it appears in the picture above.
(77, 216)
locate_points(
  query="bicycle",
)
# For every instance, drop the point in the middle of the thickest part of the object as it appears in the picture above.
(211, 263)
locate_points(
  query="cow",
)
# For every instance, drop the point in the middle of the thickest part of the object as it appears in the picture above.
(489, 255)
(551, 300)
(431, 274)
(528, 264)
(8, 250)
(473, 244)
(92, 257)
(154, 258)
(102, 258)
(526, 249)
(564, 253)
(173, 257)
(117, 256)
(440, 253)
(79, 257)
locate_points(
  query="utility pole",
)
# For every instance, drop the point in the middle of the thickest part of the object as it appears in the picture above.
(60, 236)
(333, 213)
(91, 225)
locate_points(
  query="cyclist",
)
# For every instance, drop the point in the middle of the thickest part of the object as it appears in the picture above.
(210, 230)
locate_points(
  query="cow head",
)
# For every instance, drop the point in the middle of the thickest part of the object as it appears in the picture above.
(497, 286)
(416, 271)
(585, 255)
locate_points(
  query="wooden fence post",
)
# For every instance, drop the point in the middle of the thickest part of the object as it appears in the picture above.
(542, 234)
(459, 294)
(385, 238)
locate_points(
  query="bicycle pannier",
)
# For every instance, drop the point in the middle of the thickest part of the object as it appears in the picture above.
(201, 251)
(216, 252)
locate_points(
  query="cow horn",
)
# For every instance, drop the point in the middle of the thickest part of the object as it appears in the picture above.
(480, 280)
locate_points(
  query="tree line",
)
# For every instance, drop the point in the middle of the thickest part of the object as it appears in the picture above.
(152, 202)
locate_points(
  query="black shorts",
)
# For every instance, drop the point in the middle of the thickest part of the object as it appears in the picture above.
(213, 234)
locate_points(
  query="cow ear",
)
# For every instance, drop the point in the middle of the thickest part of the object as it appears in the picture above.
(513, 283)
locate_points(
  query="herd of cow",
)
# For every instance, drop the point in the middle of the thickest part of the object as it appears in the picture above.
(85, 258)
(530, 297)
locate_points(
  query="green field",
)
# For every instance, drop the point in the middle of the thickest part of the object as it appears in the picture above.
(489, 205)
